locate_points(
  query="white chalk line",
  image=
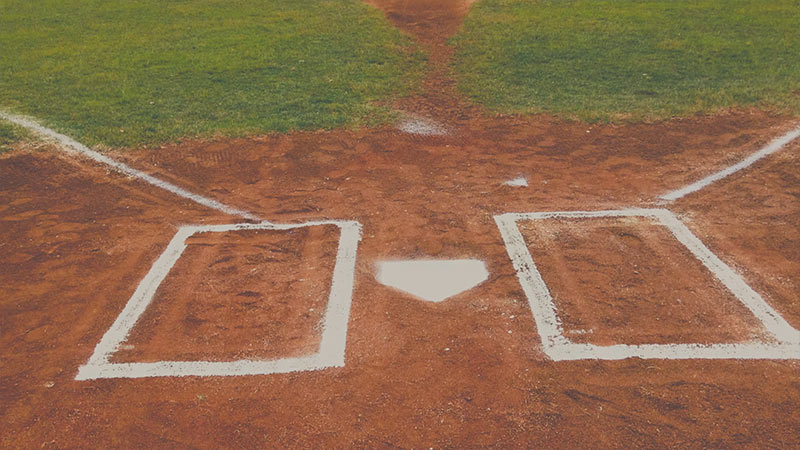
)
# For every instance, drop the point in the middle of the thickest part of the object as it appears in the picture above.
(332, 347)
(771, 148)
(334, 335)
(558, 347)
(71, 144)
(331, 352)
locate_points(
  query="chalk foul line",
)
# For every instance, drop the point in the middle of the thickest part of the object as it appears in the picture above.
(334, 328)
(68, 143)
(771, 148)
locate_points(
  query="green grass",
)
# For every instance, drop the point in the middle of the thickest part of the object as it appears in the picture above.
(141, 72)
(630, 60)
(10, 134)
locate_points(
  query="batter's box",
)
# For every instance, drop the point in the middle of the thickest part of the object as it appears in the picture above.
(783, 341)
(332, 342)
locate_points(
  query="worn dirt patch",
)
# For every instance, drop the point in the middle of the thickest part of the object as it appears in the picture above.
(629, 281)
(427, 20)
(239, 295)
(432, 23)
(753, 219)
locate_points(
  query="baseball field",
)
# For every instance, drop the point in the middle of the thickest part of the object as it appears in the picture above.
(400, 224)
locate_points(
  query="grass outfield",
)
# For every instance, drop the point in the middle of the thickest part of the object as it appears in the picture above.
(146, 71)
(630, 60)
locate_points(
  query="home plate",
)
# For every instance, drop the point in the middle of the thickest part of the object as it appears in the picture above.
(432, 280)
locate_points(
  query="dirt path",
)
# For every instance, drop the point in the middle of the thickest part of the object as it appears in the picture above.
(468, 372)
(432, 23)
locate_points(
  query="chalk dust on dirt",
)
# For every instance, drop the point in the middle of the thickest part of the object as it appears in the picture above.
(629, 281)
(75, 240)
(256, 294)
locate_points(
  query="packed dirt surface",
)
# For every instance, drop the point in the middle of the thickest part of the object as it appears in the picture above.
(429, 21)
(257, 294)
(756, 225)
(76, 239)
(432, 23)
(466, 372)
(629, 281)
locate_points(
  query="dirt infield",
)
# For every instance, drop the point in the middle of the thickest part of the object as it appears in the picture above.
(254, 295)
(629, 281)
(76, 240)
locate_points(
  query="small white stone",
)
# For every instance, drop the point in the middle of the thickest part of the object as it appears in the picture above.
(517, 182)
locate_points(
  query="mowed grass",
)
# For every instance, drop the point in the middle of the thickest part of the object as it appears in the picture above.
(630, 60)
(141, 72)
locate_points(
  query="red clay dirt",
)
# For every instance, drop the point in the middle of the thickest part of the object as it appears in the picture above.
(468, 372)
(257, 294)
(432, 23)
(629, 281)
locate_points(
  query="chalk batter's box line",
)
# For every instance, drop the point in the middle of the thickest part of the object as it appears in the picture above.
(558, 347)
(775, 145)
(331, 351)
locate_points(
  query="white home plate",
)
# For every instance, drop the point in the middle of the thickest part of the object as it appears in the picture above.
(432, 280)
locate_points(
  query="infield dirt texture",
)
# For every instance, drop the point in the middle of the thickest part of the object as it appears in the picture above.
(77, 238)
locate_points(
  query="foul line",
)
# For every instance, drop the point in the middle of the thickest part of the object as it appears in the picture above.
(334, 335)
(69, 143)
(772, 147)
